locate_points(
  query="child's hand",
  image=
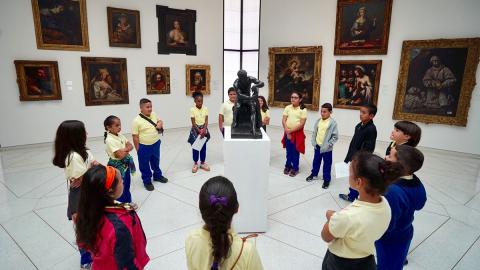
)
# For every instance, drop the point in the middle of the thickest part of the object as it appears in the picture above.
(329, 214)
(75, 183)
(159, 124)
(94, 163)
(129, 147)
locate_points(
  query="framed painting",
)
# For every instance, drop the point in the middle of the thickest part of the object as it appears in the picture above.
(158, 80)
(198, 79)
(38, 80)
(61, 24)
(436, 80)
(176, 31)
(362, 27)
(356, 83)
(294, 69)
(105, 80)
(123, 28)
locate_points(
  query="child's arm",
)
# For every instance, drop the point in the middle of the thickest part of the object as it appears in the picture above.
(75, 183)
(299, 126)
(159, 124)
(121, 153)
(284, 123)
(326, 235)
(128, 146)
(136, 141)
(334, 137)
(220, 121)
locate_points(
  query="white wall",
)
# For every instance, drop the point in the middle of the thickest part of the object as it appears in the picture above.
(35, 122)
(312, 22)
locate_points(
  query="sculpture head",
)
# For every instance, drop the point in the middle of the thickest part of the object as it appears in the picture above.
(242, 74)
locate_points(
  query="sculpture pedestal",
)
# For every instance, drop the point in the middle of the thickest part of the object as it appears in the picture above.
(247, 165)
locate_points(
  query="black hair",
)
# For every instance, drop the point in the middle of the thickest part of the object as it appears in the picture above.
(378, 172)
(144, 101)
(71, 137)
(264, 107)
(300, 96)
(410, 157)
(108, 122)
(230, 90)
(327, 106)
(94, 197)
(372, 109)
(197, 94)
(411, 129)
(218, 216)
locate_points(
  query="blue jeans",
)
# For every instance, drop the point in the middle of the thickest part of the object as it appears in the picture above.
(327, 164)
(85, 257)
(203, 154)
(126, 196)
(293, 156)
(149, 160)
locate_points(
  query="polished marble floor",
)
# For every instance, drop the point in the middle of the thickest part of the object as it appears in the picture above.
(35, 234)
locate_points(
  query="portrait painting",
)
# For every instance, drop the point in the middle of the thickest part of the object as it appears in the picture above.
(38, 80)
(436, 80)
(123, 27)
(158, 80)
(356, 83)
(362, 27)
(176, 31)
(294, 69)
(61, 24)
(105, 80)
(198, 79)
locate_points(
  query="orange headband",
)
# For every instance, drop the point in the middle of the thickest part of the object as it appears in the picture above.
(110, 177)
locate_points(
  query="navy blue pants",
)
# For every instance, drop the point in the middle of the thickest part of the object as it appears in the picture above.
(353, 194)
(126, 196)
(149, 160)
(327, 164)
(293, 156)
(391, 255)
(202, 152)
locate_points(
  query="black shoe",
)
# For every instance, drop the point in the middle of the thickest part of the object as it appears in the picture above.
(311, 177)
(162, 179)
(149, 187)
(405, 262)
(325, 184)
(286, 171)
(345, 197)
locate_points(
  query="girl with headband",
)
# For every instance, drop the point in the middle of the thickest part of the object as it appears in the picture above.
(112, 232)
(216, 245)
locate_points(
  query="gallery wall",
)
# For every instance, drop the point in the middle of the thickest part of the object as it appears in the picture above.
(36, 121)
(286, 23)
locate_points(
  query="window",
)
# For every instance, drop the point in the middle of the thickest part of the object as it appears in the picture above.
(241, 39)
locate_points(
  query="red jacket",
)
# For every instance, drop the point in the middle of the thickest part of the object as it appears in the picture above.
(121, 241)
(298, 138)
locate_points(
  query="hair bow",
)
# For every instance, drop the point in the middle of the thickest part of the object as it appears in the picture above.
(214, 200)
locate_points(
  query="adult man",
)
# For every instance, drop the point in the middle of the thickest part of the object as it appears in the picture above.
(439, 81)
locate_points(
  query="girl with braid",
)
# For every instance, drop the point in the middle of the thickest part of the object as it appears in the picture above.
(216, 245)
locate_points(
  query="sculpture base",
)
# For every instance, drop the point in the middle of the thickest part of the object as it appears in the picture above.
(245, 132)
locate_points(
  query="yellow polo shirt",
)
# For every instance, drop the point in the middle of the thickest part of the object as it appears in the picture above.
(199, 114)
(146, 132)
(357, 227)
(75, 166)
(294, 114)
(114, 143)
(265, 114)
(322, 130)
(198, 249)
(227, 111)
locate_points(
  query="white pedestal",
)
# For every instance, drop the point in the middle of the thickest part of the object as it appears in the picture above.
(247, 163)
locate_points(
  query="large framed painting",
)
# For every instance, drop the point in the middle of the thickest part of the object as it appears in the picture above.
(61, 24)
(123, 28)
(176, 30)
(436, 80)
(38, 80)
(158, 80)
(294, 69)
(105, 80)
(198, 79)
(356, 83)
(362, 27)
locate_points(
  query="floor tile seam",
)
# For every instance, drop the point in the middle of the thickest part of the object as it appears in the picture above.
(473, 197)
(7, 188)
(168, 253)
(477, 229)
(51, 206)
(173, 161)
(435, 213)
(48, 179)
(444, 193)
(48, 192)
(470, 247)
(333, 198)
(184, 187)
(14, 217)
(291, 191)
(172, 231)
(175, 198)
(428, 236)
(142, 203)
(294, 227)
(18, 245)
(297, 204)
(7, 169)
(61, 236)
(294, 247)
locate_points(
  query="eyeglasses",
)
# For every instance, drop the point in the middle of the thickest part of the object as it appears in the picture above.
(294, 97)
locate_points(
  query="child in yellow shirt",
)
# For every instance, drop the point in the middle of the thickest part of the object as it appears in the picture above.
(199, 119)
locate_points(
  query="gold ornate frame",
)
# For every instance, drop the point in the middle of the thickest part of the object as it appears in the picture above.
(150, 71)
(466, 88)
(136, 13)
(207, 78)
(378, 70)
(317, 51)
(64, 47)
(22, 79)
